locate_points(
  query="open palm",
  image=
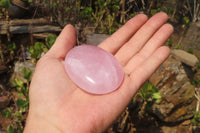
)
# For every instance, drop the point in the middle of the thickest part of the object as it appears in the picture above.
(58, 105)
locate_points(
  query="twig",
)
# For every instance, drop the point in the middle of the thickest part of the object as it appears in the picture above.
(136, 4)
(124, 120)
(150, 6)
(190, 10)
(143, 4)
(196, 11)
(123, 11)
(7, 27)
(197, 95)
(30, 26)
(23, 52)
(1, 53)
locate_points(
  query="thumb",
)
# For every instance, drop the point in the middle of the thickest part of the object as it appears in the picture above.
(65, 41)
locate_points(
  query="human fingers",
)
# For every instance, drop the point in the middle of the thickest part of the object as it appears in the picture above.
(65, 41)
(158, 39)
(140, 38)
(115, 41)
(145, 70)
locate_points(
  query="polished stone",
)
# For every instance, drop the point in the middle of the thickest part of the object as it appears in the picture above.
(93, 69)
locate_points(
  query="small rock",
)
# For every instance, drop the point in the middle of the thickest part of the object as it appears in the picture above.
(96, 39)
(191, 39)
(18, 70)
(185, 57)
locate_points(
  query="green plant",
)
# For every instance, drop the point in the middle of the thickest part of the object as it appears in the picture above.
(22, 87)
(190, 50)
(196, 82)
(132, 15)
(50, 40)
(154, 11)
(6, 113)
(11, 47)
(196, 119)
(149, 93)
(178, 47)
(86, 13)
(5, 4)
(170, 42)
(37, 50)
(10, 129)
(22, 104)
(198, 66)
(110, 22)
(186, 22)
(103, 14)
(16, 126)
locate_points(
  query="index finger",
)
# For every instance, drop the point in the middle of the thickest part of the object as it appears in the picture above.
(116, 40)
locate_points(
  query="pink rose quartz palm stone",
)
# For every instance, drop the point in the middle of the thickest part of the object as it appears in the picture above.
(93, 69)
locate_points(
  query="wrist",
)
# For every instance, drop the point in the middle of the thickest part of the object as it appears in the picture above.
(38, 124)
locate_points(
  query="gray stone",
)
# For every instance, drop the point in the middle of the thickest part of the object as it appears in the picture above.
(192, 38)
(185, 57)
(178, 101)
(96, 39)
(18, 70)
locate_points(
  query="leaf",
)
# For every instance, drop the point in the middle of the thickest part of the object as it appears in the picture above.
(37, 50)
(24, 72)
(27, 73)
(156, 95)
(50, 40)
(18, 83)
(38, 46)
(20, 94)
(31, 50)
(10, 46)
(6, 113)
(18, 115)
(10, 129)
(5, 4)
(22, 104)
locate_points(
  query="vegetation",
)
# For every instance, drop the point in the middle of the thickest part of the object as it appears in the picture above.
(17, 117)
(22, 86)
(39, 48)
(149, 94)
(196, 119)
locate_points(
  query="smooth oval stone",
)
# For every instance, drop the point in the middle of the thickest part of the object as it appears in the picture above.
(93, 69)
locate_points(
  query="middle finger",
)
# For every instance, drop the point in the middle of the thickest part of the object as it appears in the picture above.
(140, 38)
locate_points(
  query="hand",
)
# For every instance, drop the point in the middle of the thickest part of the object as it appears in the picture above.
(58, 105)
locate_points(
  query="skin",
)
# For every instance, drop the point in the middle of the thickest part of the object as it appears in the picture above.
(57, 105)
